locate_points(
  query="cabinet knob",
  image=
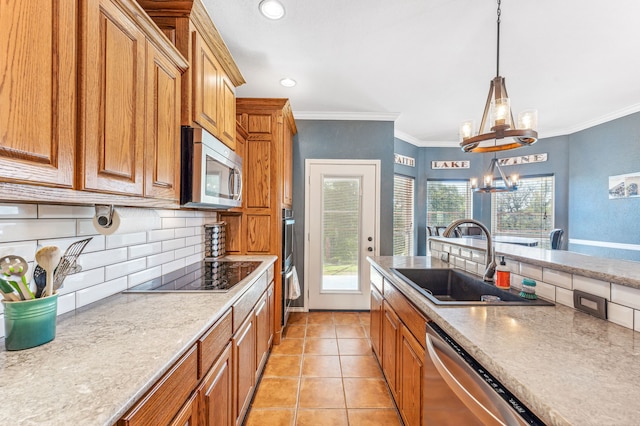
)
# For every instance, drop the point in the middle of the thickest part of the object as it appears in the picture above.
(369, 248)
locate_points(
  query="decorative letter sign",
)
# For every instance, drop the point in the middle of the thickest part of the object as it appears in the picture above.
(450, 164)
(404, 160)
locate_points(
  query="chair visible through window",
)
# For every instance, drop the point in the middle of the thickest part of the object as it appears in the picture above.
(556, 239)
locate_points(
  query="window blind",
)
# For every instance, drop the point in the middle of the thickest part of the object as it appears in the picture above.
(448, 200)
(526, 212)
(403, 195)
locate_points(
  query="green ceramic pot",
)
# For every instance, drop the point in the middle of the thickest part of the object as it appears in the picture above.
(29, 323)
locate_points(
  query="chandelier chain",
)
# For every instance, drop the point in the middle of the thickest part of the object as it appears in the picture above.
(498, 42)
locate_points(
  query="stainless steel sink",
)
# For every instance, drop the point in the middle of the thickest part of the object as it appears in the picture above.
(452, 287)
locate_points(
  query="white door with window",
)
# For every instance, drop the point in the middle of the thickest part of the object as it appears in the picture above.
(341, 228)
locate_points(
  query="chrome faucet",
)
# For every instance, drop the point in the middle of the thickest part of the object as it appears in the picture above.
(490, 270)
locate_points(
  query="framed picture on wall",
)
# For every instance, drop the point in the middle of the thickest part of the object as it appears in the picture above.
(624, 186)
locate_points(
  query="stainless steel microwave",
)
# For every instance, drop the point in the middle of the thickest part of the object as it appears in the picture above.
(211, 173)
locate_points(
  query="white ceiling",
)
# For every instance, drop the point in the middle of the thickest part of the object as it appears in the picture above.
(428, 63)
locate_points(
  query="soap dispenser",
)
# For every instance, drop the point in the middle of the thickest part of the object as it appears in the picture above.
(503, 276)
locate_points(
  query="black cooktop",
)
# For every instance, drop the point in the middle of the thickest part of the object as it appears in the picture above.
(208, 275)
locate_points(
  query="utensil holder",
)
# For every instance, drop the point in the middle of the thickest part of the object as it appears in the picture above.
(29, 323)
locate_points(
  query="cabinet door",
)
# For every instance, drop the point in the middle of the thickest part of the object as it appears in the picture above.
(271, 302)
(216, 401)
(390, 338)
(227, 112)
(112, 85)
(375, 326)
(206, 72)
(287, 165)
(261, 314)
(244, 367)
(162, 165)
(188, 415)
(410, 369)
(38, 91)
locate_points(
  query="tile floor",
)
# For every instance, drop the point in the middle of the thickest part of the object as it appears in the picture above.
(323, 373)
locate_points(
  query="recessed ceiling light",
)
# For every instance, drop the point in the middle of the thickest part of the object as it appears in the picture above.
(271, 9)
(288, 82)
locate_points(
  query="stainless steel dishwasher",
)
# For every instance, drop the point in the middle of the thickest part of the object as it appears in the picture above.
(459, 391)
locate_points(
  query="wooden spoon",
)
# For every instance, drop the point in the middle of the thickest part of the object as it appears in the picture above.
(48, 257)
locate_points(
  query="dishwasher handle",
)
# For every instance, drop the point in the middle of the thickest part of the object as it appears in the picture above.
(476, 407)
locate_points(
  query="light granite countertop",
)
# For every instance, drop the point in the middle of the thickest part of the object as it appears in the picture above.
(107, 355)
(568, 367)
(619, 271)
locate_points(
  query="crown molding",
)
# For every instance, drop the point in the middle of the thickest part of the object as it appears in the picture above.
(424, 144)
(346, 116)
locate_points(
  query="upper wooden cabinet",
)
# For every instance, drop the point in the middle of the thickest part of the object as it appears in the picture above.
(208, 98)
(38, 92)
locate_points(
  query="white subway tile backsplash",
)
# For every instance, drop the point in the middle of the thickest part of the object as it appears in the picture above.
(66, 303)
(558, 278)
(455, 250)
(145, 250)
(25, 249)
(512, 265)
(516, 281)
(173, 222)
(82, 280)
(193, 259)
(184, 252)
(123, 240)
(159, 259)
(531, 271)
(143, 276)
(466, 253)
(18, 211)
(184, 232)
(620, 315)
(478, 257)
(178, 243)
(85, 227)
(592, 286)
(546, 291)
(102, 258)
(626, 296)
(197, 221)
(100, 291)
(459, 262)
(194, 241)
(188, 213)
(97, 243)
(172, 266)
(470, 266)
(198, 230)
(34, 229)
(436, 245)
(47, 211)
(160, 235)
(564, 297)
(166, 213)
(118, 270)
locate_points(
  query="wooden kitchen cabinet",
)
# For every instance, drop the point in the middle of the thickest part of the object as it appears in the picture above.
(244, 367)
(261, 314)
(162, 139)
(216, 393)
(38, 67)
(208, 87)
(390, 343)
(188, 415)
(410, 370)
(375, 324)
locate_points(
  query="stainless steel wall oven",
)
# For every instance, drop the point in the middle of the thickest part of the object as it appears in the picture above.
(288, 223)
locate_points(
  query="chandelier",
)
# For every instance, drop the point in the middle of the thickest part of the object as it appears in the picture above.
(497, 111)
(489, 184)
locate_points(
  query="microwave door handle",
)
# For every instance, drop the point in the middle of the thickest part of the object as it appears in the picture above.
(239, 194)
(232, 184)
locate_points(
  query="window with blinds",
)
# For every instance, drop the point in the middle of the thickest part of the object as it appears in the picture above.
(403, 193)
(448, 200)
(526, 212)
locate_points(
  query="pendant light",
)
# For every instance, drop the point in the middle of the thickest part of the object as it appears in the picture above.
(497, 111)
(489, 182)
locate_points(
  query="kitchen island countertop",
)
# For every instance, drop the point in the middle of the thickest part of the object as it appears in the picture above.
(107, 355)
(568, 367)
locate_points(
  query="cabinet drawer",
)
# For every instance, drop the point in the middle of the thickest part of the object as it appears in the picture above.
(168, 395)
(409, 315)
(245, 304)
(211, 344)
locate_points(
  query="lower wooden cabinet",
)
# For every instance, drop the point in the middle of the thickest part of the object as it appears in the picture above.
(216, 393)
(244, 367)
(395, 324)
(188, 415)
(262, 333)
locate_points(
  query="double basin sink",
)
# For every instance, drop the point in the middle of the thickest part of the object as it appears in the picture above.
(452, 287)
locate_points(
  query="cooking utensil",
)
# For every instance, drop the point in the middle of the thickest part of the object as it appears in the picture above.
(48, 257)
(68, 265)
(14, 269)
(7, 291)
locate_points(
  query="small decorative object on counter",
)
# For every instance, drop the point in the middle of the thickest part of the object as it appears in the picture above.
(528, 289)
(29, 323)
(503, 276)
